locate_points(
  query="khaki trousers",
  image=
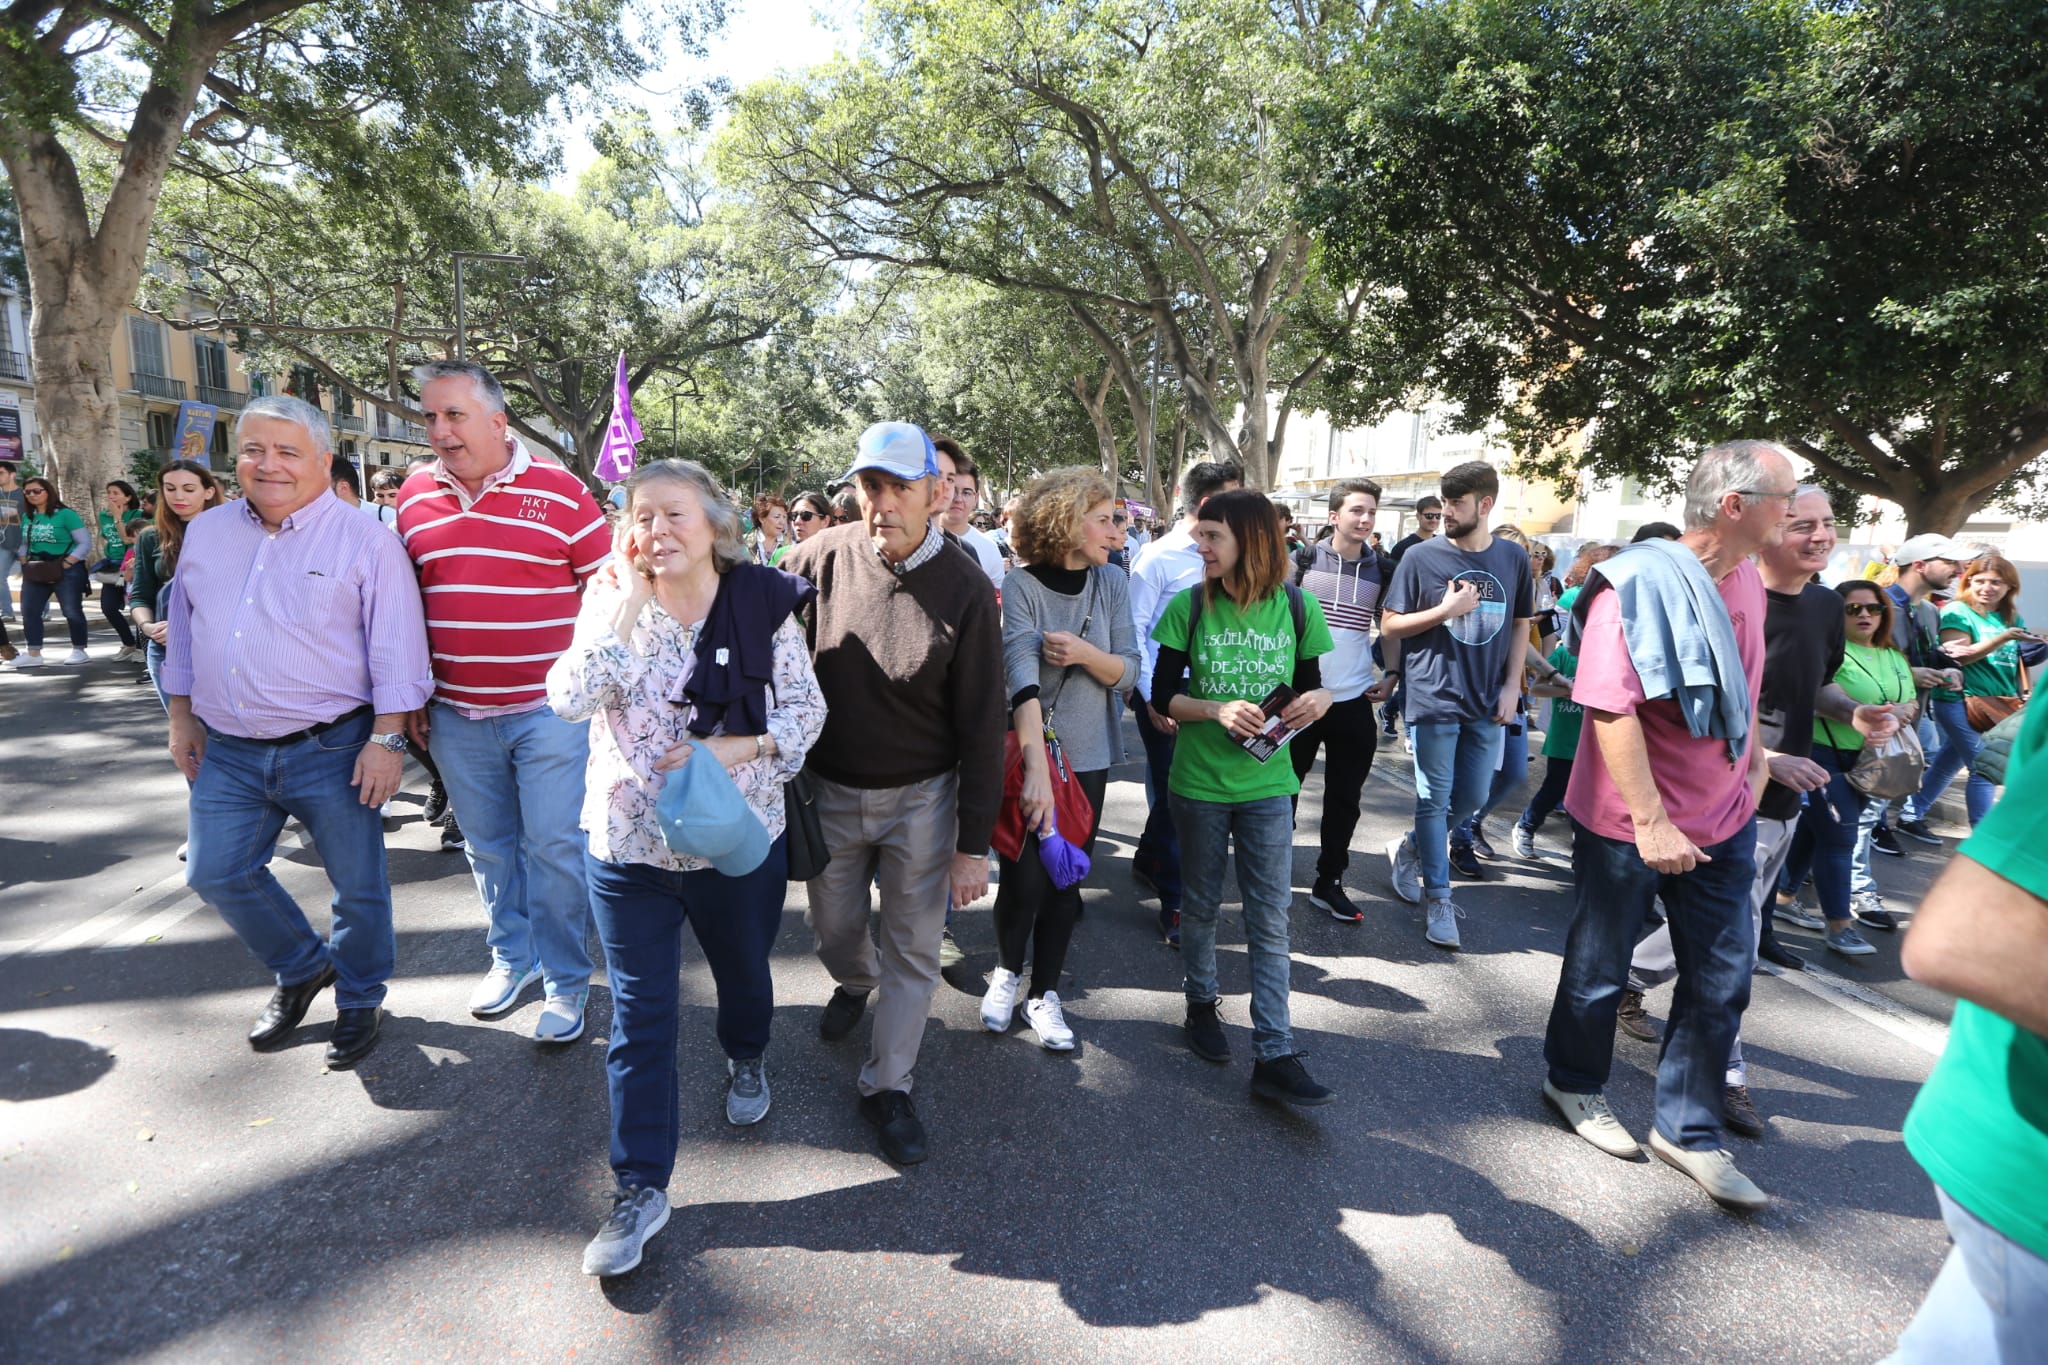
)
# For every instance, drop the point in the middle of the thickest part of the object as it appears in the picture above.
(904, 837)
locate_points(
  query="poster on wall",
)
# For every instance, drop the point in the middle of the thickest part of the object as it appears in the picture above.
(194, 432)
(10, 428)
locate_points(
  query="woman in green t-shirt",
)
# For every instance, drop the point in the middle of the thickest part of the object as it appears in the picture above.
(1981, 630)
(1226, 645)
(52, 533)
(124, 507)
(1873, 673)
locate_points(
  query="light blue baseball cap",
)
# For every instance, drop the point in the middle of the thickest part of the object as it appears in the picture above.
(899, 448)
(703, 815)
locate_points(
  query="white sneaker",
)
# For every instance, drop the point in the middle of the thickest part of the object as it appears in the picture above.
(1714, 1171)
(561, 1019)
(1405, 869)
(499, 991)
(1441, 924)
(1592, 1120)
(28, 658)
(1049, 1022)
(1525, 844)
(78, 656)
(1000, 1001)
(127, 654)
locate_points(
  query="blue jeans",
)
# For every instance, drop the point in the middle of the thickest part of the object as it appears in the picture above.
(7, 562)
(1557, 778)
(1959, 745)
(244, 793)
(1264, 834)
(1158, 852)
(1989, 1303)
(516, 782)
(153, 664)
(1454, 767)
(1514, 768)
(640, 912)
(70, 594)
(1713, 943)
(1829, 824)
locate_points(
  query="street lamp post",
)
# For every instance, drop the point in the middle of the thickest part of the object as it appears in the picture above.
(461, 318)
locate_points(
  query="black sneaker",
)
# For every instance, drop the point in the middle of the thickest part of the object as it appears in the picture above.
(896, 1124)
(841, 1013)
(1169, 927)
(1204, 1030)
(1917, 829)
(1885, 841)
(1329, 895)
(451, 835)
(1480, 844)
(1286, 1081)
(437, 804)
(1464, 863)
(1778, 955)
(1739, 1113)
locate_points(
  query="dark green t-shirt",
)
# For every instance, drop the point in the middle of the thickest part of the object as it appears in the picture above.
(1980, 1124)
(1567, 717)
(1242, 656)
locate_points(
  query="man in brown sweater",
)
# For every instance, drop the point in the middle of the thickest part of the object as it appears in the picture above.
(907, 643)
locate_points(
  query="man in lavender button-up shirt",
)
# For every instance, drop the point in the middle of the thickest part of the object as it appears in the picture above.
(296, 648)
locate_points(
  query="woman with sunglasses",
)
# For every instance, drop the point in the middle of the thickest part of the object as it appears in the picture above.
(52, 534)
(809, 513)
(1873, 673)
(1981, 630)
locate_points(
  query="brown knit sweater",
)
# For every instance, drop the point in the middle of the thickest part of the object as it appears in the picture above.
(912, 671)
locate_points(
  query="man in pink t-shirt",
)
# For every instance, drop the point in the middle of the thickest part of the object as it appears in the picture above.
(1660, 812)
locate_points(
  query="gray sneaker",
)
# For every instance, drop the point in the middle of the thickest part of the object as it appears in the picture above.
(636, 1216)
(1848, 942)
(1406, 868)
(746, 1100)
(1796, 912)
(1441, 926)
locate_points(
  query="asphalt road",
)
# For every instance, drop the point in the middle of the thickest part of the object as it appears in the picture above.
(172, 1195)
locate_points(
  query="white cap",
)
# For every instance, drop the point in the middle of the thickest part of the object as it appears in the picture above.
(1931, 546)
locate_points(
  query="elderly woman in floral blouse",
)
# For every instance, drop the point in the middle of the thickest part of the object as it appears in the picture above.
(684, 652)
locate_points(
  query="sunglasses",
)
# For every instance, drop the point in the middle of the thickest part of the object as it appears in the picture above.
(806, 515)
(1120, 521)
(1430, 516)
(1863, 609)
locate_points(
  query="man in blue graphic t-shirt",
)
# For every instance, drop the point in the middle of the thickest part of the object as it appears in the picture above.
(1460, 605)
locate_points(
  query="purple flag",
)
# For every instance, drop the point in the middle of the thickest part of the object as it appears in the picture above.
(615, 461)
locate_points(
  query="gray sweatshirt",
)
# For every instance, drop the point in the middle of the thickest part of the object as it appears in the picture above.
(1086, 715)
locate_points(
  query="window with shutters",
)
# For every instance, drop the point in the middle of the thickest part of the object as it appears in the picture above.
(146, 346)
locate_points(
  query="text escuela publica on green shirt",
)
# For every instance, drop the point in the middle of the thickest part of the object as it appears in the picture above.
(1242, 656)
(1979, 1127)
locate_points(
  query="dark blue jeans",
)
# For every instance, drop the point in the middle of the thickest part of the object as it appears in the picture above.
(244, 793)
(70, 594)
(1557, 778)
(1828, 829)
(1158, 854)
(1713, 941)
(640, 912)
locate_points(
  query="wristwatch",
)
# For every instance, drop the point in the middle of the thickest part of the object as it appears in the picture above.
(395, 743)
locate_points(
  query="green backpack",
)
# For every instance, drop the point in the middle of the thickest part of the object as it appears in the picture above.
(1996, 748)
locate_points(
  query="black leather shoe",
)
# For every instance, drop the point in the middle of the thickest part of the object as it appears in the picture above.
(841, 1013)
(355, 1033)
(896, 1123)
(288, 1005)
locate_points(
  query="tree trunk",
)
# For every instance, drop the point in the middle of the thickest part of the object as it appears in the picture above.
(78, 407)
(1094, 400)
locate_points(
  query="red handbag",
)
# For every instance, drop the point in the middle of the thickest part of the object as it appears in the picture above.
(1072, 810)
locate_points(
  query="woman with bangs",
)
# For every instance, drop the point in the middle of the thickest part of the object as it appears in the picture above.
(185, 488)
(1069, 652)
(1237, 638)
(1981, 630)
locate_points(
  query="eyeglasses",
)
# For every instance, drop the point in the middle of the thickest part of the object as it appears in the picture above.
(1764, 493)
(805, 515)
(1863, 609)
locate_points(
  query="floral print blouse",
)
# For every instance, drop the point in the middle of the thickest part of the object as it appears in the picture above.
(625, 693)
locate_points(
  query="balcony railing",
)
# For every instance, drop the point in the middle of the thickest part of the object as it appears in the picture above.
(160, 386)
(348, 421)
(13, 365)
(223, 398)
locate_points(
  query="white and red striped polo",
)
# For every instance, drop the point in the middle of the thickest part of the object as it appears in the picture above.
(501, 575)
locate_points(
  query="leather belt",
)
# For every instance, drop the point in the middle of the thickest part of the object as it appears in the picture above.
(366, 709)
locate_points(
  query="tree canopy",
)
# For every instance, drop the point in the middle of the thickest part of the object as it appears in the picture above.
(1665, 223)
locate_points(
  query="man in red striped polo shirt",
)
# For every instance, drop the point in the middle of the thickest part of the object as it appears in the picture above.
(504, 543)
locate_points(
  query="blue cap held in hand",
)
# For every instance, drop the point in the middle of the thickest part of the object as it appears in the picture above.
(703, 815)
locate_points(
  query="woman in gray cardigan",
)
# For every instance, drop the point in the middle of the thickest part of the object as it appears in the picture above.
(1068, 651)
